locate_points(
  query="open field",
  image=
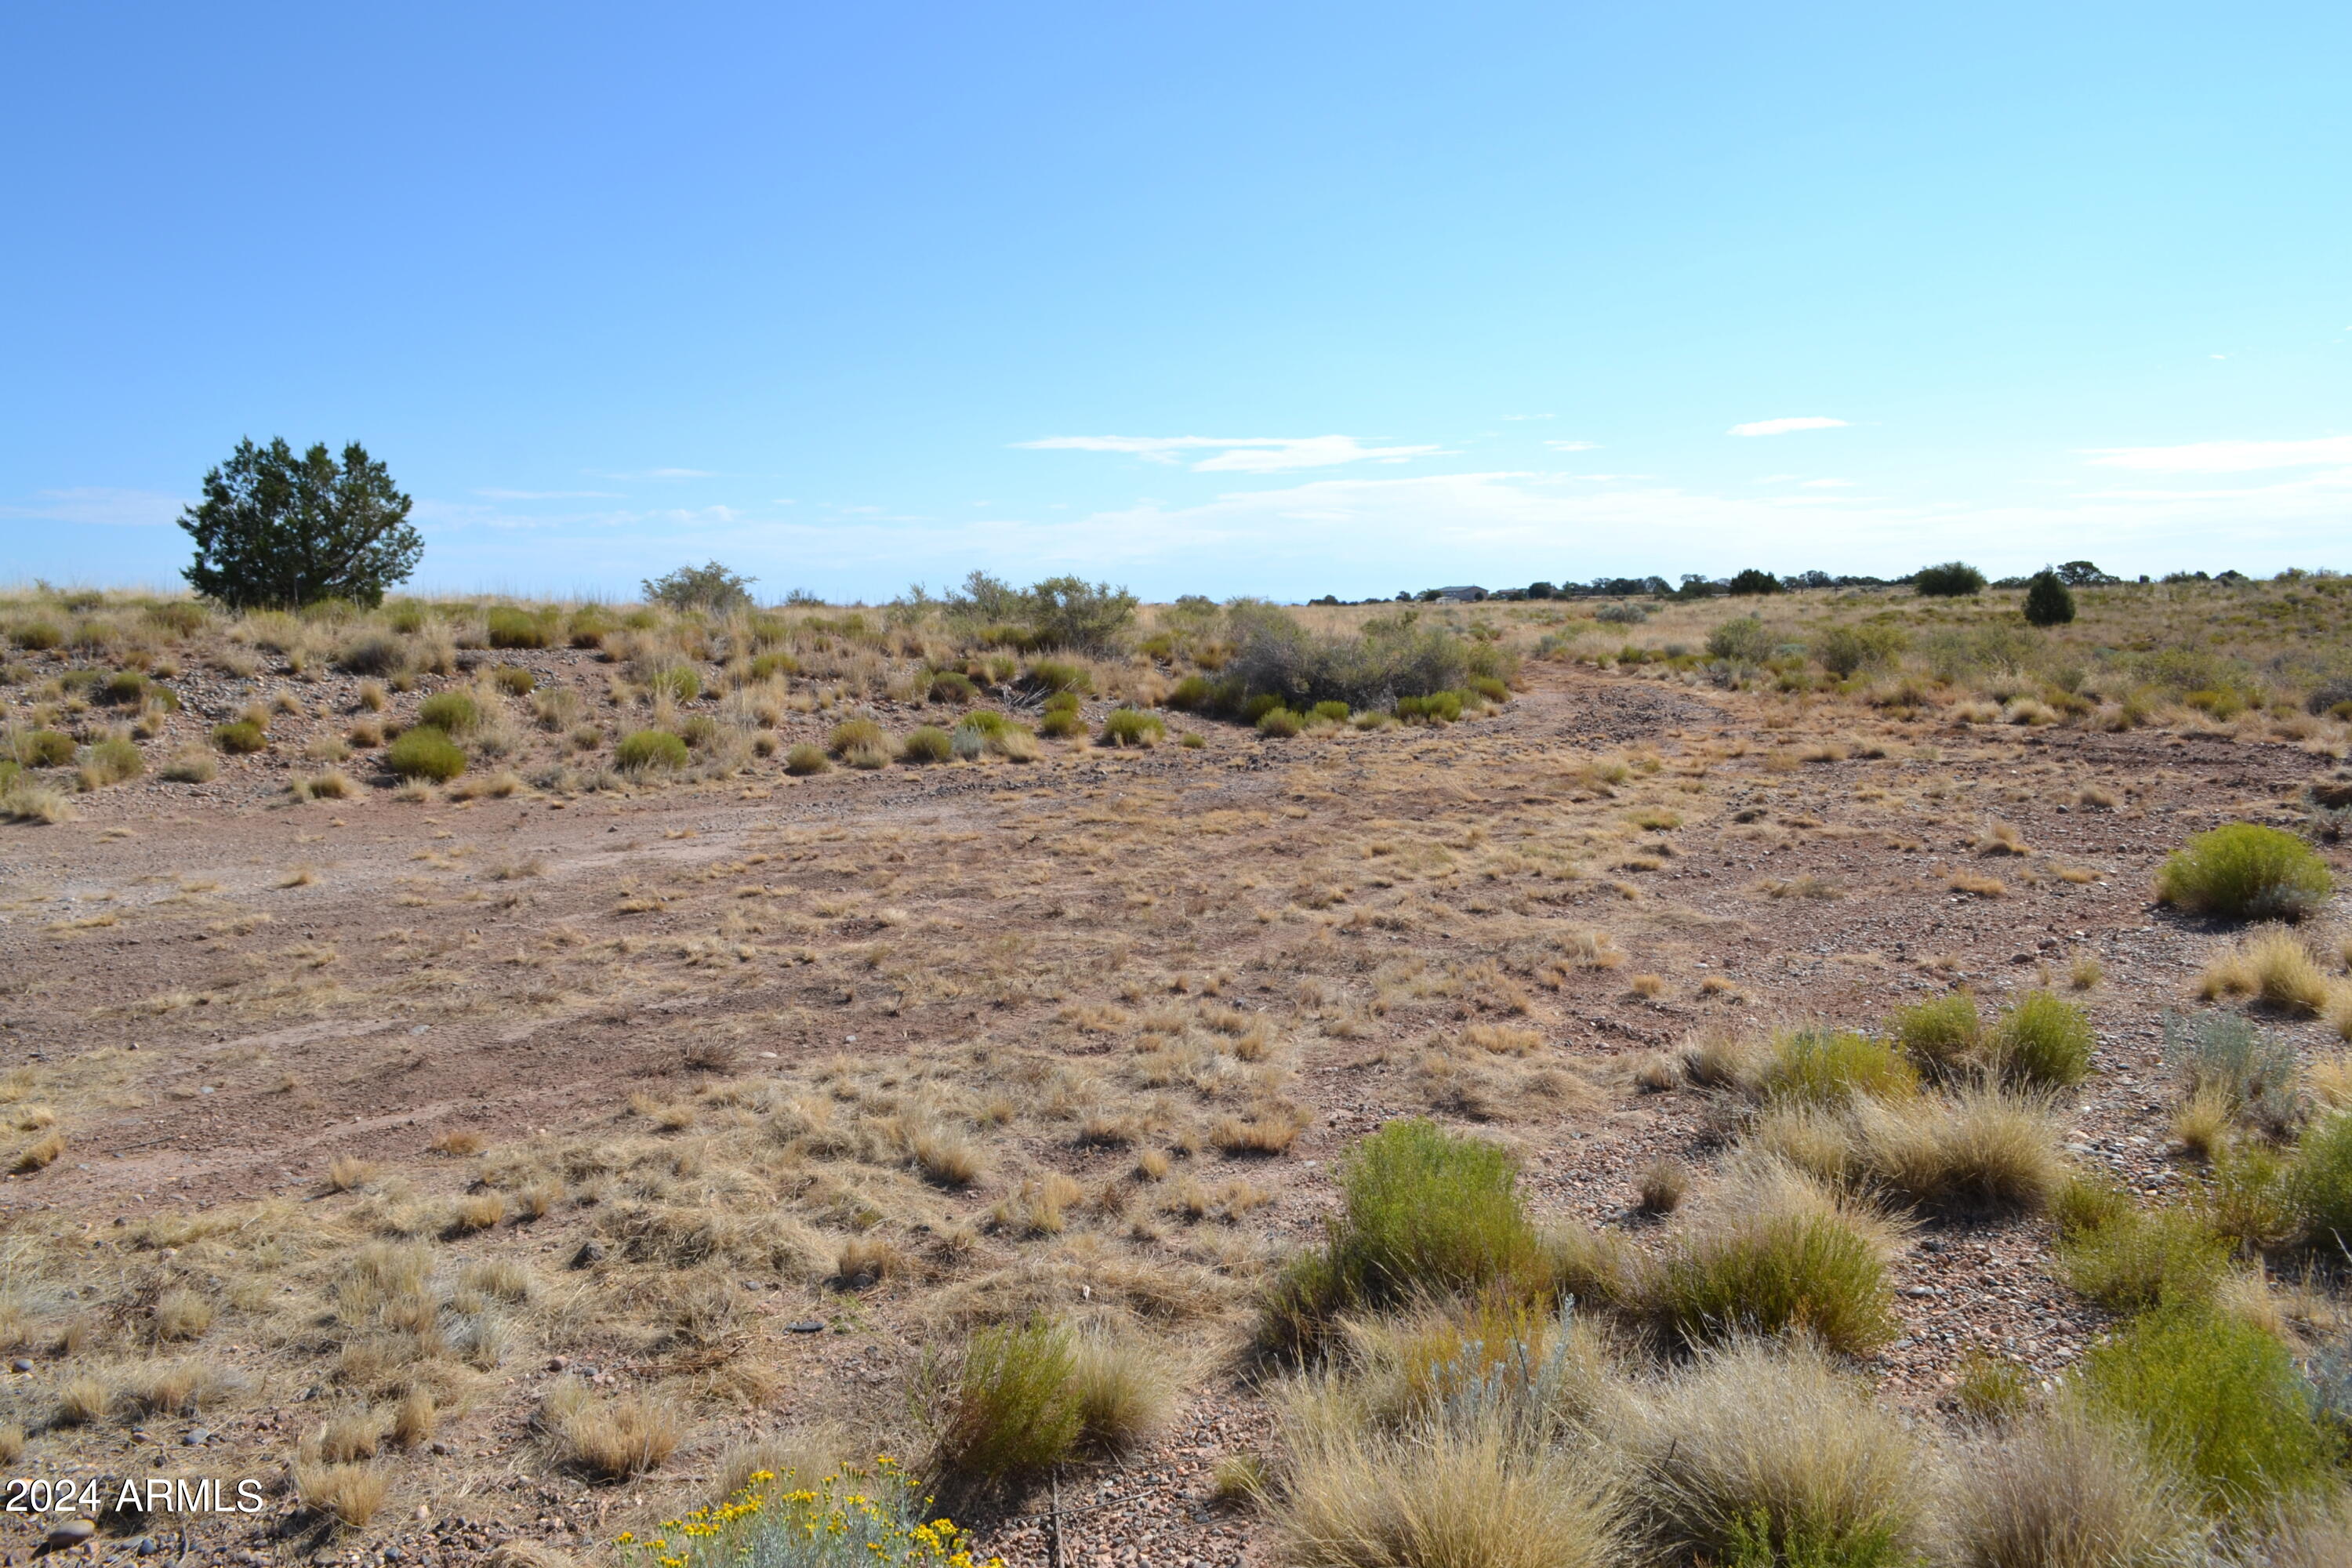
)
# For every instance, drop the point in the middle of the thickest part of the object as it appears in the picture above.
(532, 1154)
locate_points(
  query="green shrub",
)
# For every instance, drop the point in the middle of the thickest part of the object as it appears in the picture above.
(451, 712)
(769, 666)
(124, 688)
(2319, 1187)
(51, 749)
(804, 759)
(587, 627)
(1952, 580)
(2083, 1204)
(425, 753)
(2044, 1042)
(1426, 1212)
(2143, 1258)
(1742, 641)
(2048, 601)
(1066, 701)
(514, 680)
(2223, 1056)
(1279, 723)
(2245, 871)
(1767, 1273)
(2220, 1402)
(1132, 727)
(1942, 1036)
(239, 737)
(1059, 722)
(1844, 650)
(710, 587)
(2249, 1200)
(952, 686)
(111, 762)
(679, 682)
(1258, 706)
(1490, 688)
(511, 628)
(854, 731)
(181, 617)
(1007, 1412)
(646, 751)
(36, 637)
(1192, 694)
(986, 721)
(927, 743)
(1334, 712)
(1821, 1067)
(1059, 676)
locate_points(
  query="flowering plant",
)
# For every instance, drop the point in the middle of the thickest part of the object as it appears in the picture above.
(853, 1519)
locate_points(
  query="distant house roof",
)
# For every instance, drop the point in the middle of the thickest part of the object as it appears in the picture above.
(1462, 595)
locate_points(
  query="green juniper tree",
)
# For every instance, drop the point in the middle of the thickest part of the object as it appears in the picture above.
(2048, 601)
(278, 532)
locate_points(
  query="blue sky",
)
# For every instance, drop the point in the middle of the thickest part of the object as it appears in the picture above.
(1220, 299)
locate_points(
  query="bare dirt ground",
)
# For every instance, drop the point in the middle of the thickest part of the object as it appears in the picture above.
(221, 994)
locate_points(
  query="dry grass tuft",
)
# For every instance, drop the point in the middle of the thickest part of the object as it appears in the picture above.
(1762, 1453)
(607, 1439)
(2274, 965)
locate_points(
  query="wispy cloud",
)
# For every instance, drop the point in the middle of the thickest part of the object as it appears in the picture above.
(2227, 457)
(547, 495)
(1574, 446)
(105, 508)
(1237, 454)
(1783, 426)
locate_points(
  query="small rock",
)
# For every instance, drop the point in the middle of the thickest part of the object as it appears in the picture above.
(435, 1447)
(148, 1546)
(556, 1364)
(591, 1251)
(805, 1326)
(394, 1554)
(20, 1365)
(194, 1438)
(72, 1532)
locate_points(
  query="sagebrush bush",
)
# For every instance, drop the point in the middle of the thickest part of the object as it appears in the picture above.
(1826, 1066)
(1005, 1412)
(1279, 723)
(2220, 1402)
(2245, 871)
(451, 712)
(1427, 1212)
(1745, 640)
(650, 751)
(425, 753)
(804, 759)
(2221, 1056)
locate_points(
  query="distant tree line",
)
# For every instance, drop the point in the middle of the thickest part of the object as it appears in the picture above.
(1951, 579)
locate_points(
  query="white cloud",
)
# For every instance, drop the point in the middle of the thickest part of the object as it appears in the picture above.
(1782, 426)
(1574, 446)
(546, 495)
(1237, 454)
(2226, 457)
(105, 508)
(1826, 484)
